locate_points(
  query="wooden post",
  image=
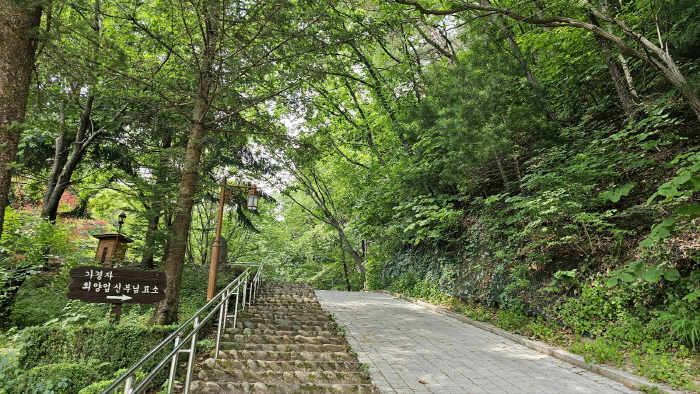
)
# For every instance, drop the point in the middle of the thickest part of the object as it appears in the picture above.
(214, 266)
(115, 314)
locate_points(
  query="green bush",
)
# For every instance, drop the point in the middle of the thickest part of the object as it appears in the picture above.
(61, 378)
(119, 346)
(99, 386)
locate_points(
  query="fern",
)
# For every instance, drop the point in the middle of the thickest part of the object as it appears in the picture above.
(687, 330)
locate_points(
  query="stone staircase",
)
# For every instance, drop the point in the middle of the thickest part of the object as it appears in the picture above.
(284, 343)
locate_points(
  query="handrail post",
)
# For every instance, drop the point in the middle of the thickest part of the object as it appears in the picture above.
(129, 384)
(173, 366)
(250, 291)
(245, 286)
(235, 312)
(257, 285)
(190, 363)
(222, 323)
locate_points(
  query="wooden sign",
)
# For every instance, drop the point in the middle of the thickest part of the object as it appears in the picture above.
(116, 285)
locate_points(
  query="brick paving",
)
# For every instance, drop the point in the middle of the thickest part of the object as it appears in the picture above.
(410, 349)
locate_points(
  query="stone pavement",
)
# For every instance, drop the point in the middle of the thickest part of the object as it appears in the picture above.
(410, 349)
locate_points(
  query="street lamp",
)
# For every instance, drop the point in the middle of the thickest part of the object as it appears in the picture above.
(253, 197)
(122, 217)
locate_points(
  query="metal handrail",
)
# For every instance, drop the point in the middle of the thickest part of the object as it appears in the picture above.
(127, 379)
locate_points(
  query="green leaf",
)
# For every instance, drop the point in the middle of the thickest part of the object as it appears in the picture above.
(693, 182)
(672, 274)
(669, 191)
(651, 275)
(681, 179)
(626, 277)
(663, 232)
(616, 193)
(612, 282)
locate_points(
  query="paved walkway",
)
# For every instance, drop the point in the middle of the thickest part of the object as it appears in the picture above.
(410, 349)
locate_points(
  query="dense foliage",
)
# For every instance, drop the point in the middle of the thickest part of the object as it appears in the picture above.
(542, 156)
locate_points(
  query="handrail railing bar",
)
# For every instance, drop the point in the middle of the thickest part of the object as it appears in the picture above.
(119, 381)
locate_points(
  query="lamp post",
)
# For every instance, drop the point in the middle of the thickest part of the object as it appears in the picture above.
(122, 217)
(253, 198)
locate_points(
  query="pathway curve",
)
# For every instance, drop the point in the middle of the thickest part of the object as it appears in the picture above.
(411, 349)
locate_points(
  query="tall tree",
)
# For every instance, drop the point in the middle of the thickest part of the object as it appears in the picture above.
(19, 21)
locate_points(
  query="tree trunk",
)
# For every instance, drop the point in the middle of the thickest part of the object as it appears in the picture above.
(622, 94)
(8, 294)
(350, 250)
(156, 208)
(345, 266)
(502, 171)
(166, 310)
(628, 77)
(49, 209)
(153, 219)
(59, 154)
(16, 64)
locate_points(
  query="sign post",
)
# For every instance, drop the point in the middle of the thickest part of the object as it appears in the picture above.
(116, 286)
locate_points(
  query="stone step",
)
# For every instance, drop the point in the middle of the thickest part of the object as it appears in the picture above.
(281, 332)
(277, 283)
(327, 326)
(280, 319)
(294, 347)
(282, 339)
(290, 306)
(287, 289)
(252, 323)
(267, 376)
(292, 365)
(263, 355)
(262, 299)
(298, 315)
(259, 388)
(310, 308)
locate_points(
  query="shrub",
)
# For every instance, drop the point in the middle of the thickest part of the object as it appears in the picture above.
(117, 345)
(61, 378)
